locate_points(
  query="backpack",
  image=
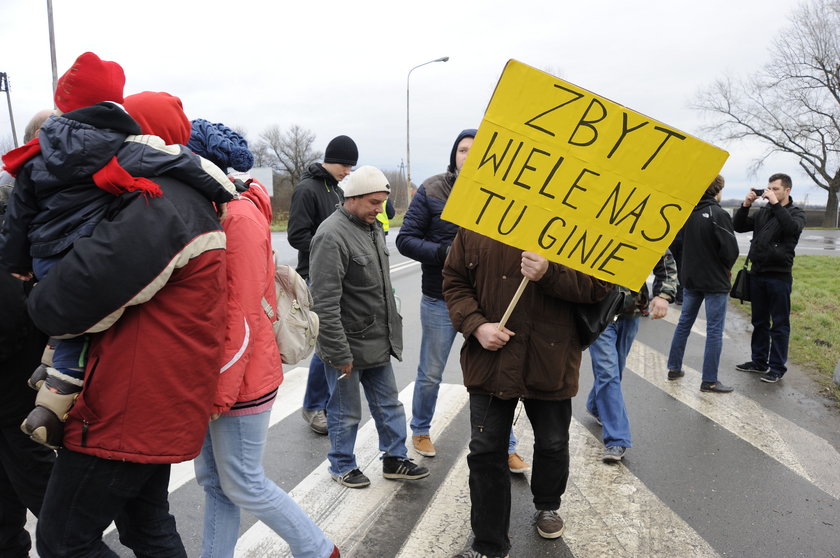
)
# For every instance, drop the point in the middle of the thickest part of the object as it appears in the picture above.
(296, 325)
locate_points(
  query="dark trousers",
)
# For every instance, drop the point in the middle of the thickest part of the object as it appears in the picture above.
(771, 321)
(490, 421)
(86, 493)
(24, 472)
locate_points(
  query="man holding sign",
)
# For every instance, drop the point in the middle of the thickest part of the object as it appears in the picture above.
(555, 173)
(535, 357)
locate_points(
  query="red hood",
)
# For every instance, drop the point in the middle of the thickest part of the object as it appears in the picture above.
(257, 194)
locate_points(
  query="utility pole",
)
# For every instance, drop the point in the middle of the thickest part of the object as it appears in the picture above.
(4, 87)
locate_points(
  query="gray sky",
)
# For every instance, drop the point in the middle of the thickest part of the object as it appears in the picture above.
(340, 67)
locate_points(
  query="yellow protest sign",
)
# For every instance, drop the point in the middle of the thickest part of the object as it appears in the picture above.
(584, 181)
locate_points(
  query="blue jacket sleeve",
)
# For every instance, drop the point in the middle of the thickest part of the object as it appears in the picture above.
(412, 241)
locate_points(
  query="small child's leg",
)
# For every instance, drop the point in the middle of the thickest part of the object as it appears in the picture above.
(37, 379)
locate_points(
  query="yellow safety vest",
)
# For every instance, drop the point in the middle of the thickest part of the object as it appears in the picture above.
(383, 218)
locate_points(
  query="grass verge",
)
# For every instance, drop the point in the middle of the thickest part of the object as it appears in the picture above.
(814, 317)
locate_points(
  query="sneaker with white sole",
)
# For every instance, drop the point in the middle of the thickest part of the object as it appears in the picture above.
(352, 479)
(549, 524)
(613, 454)
(397, 468)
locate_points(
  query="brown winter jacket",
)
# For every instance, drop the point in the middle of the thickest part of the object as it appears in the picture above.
(542, 361)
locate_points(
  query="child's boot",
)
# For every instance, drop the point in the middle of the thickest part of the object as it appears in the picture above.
(45, 423)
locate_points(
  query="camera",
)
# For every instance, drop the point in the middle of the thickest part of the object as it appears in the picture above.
(758, 192)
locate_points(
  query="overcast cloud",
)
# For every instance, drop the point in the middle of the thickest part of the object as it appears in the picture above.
(340, 67)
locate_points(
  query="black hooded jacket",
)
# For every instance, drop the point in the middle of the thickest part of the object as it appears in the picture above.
(313, 200)
(709, 248)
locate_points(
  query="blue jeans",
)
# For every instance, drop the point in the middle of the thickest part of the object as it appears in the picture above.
(344, 412)
(231, 472)
(771, 321)
(85, 493)
(435, 346)
(609, 355)
(490, 422)
(69, 356)
(715, 318)
(317, 391)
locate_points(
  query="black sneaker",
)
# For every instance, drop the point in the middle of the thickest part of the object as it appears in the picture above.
(396, 468)
(751, 366)
(353, 479)
(675, 374)
(549, 524)
(771, 377)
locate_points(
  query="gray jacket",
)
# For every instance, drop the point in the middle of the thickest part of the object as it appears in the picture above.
(351, 285)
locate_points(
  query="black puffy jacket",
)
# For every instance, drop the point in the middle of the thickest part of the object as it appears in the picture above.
(55, 201)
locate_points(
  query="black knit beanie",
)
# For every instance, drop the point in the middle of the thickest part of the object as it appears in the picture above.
(342, 150)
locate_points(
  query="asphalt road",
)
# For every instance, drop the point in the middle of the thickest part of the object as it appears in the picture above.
(755, 473)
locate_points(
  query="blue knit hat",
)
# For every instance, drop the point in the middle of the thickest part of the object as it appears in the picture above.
(221, 145)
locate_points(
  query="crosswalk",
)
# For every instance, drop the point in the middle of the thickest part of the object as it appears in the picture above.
(646, 506)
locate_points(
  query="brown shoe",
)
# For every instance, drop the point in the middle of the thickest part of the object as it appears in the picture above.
(549, 524)
(423, 445)
(517, 465)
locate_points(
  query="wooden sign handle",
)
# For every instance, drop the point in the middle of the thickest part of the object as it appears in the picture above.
(513, 302)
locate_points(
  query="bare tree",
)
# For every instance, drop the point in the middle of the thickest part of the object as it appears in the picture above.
(792, 105)
(291, 151)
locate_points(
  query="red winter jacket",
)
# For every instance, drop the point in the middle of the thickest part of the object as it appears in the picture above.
(251, 364)
(154, 270)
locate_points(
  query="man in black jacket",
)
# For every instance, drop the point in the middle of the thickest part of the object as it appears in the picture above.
(313, 200)
(709, 250)
(776, 227)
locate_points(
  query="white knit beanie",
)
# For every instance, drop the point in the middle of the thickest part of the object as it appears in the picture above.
(365, 180)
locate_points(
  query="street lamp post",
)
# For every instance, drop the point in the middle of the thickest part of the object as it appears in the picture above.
(407, 136)
(4, 87)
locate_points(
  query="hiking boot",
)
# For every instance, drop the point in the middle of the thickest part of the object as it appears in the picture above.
(613, 454)
(317, 420)
(751, 366)
(771, 377)
(396, 468)
(45, 423)
(353, 479)
(423, 445)
(675, 374)
(517, 465)
(549, 524)
(715, 387)
(470, 553)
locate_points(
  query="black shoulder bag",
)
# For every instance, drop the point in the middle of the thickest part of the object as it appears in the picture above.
(593, 318)
(741, 285)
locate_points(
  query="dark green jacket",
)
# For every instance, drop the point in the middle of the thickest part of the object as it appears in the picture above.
(351, 286)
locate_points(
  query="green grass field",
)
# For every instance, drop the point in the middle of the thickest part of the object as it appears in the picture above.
(814, 317)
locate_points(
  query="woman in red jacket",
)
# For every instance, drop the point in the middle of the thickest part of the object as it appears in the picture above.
(230, 465)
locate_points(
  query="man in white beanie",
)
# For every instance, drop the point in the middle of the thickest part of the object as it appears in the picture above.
(360, 330)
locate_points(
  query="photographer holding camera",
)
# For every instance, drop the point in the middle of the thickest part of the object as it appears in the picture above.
(776, 227)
